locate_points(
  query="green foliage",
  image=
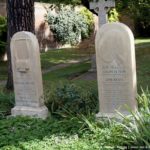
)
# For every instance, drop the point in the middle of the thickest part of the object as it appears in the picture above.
(138, 123)
(68, 72)
(66, 2)
(69, 98)
(113, 15)
(3, 34)
(57, 56)
(68, 26)
(6, 103)
(139, 10)
(89, 19)
(75, 133)
(2, 25)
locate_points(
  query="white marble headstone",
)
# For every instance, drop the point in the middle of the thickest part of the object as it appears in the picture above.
(116, 69)
(27, 77)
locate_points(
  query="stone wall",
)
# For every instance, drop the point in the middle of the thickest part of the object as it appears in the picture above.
(2, 8)
(43, 33)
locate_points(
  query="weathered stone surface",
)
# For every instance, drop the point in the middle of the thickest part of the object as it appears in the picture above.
(101, 7)
(27, 76)
(40, 112)
(116, 69)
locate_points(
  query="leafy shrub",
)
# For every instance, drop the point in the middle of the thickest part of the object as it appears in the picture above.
(3, 35)
(69, 98)
(113, 15)
(68, 26)
(88, 18)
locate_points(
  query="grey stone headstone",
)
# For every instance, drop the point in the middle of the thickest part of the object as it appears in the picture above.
(27, 77)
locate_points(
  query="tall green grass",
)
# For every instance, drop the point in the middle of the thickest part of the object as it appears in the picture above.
(6, 103)
(138, 123)
(77, 131)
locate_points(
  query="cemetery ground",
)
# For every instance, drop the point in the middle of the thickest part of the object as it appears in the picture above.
(73, 104)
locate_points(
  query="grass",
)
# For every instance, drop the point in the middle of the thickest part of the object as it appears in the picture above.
(142, 63)
(6, 103)
(142, 41)
(54, 57)
(77, 132)
(68, 72)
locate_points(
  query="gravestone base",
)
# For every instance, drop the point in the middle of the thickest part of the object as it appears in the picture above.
(39, 112)
(111, 115)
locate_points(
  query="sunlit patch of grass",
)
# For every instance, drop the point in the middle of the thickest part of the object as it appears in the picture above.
(142, 41)
(54, 57)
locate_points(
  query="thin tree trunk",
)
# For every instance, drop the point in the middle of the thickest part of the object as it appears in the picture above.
(20, 17)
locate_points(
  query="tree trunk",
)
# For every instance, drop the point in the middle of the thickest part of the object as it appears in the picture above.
(20, 17)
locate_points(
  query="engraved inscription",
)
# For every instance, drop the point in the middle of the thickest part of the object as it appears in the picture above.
(114, 73)
(114, 84)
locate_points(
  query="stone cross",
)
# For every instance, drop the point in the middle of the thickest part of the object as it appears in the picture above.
(116, 69)
(27, 77)
(101, 7)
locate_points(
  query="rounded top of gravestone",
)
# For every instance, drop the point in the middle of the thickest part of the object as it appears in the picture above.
(116, 25)
(113, 34)
(23, 35)
(112, 29)
(25, 39)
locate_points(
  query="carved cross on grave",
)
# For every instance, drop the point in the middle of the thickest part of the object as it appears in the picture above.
(101, 7)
